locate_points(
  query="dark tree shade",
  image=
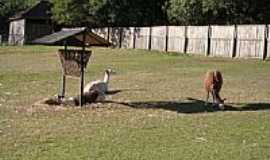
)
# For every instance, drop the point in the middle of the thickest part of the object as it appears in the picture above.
(146, 12)
(109, 12)
(218, 11)
(8, 8)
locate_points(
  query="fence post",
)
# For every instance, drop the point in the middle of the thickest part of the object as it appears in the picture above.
(150, 37)
(185, 39)
(166, 38)
(208, 42)
(120, 36)
(265, 42)
(234, 45)
(134, 38)
(108, 34)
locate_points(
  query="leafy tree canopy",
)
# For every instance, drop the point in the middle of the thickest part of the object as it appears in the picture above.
(147, 12)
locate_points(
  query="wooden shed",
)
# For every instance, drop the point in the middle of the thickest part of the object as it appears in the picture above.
(30, 24)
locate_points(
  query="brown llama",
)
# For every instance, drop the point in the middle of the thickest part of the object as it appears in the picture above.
(213, 83)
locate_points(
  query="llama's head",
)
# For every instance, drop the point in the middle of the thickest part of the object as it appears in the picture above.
(109, 71)
(220, 103)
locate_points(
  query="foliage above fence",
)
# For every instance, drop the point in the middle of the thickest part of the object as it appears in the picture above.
(145, 12)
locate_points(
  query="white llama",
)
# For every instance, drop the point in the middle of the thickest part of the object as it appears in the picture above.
(99, 85)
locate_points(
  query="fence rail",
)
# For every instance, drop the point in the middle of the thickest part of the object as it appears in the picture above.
(240, 41)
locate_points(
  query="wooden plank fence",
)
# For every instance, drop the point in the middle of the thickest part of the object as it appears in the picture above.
(267, 49)
(250, 41)
(115, 34)
(127, 37)
(158, 38)
(239, 41)
(222, 41)
(176, 39)
(197, 39)
(142, 37)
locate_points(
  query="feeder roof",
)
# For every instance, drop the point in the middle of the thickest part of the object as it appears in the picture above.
(72, 37)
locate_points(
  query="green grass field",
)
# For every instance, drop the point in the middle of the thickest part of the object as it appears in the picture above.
(159, 112)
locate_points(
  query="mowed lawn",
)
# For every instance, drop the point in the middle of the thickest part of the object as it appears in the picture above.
(158, 113)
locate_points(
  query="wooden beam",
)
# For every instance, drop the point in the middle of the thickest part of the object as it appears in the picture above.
(63, 79)
(82, 71)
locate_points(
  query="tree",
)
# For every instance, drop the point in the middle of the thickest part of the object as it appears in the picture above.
(147, 12)
(185, 12)
(9, 8)
(98, 13)
(69, 12)
(218, 11)
(109, 12)
(252, 11)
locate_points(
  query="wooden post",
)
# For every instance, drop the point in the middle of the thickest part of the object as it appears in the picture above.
(150, 38)
(166, 38)
(108, 36)
(265, 42)
(134, 37)
(208, 42)
(186, 40)
(62, 89)
(232, 43)
(121, 30)
(82, 70)
(234, 48)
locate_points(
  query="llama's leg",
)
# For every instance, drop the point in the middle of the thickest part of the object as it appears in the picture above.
(214, 96)
(218, 98)
(220, 102)
(207, 97)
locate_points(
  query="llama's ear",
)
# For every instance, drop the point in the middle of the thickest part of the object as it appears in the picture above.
(113, 71)
(109, 69)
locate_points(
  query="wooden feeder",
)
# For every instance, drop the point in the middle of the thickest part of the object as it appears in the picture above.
(73, 61)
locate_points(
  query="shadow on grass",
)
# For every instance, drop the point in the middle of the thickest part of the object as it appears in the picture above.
(193, 106)
(248, 106)
(113, 92)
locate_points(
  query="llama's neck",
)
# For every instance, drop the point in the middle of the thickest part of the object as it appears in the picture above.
(106, 77)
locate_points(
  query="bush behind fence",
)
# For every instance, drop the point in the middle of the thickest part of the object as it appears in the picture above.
(241, 41)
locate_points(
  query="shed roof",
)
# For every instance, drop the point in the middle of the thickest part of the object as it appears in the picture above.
(72, 37)
(41, 10)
